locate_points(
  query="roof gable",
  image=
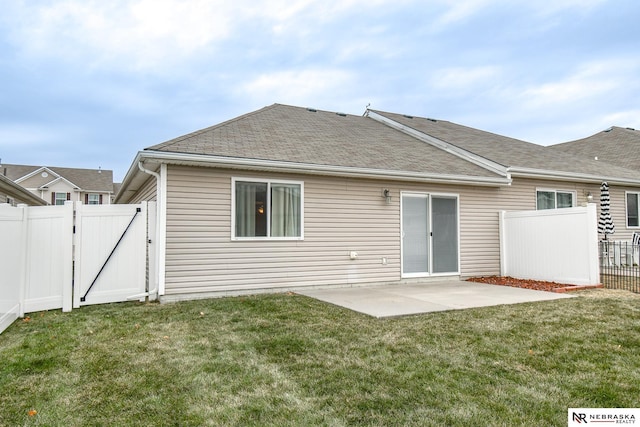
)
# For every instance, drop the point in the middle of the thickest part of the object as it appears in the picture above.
(616, 145)
(307, 136)
(94, 180)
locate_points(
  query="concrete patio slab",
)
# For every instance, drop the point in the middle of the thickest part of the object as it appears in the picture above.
(401, 300)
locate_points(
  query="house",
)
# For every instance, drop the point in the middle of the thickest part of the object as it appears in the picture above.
(289, 197)
(13, 194)
(613, 146)
(57, 185)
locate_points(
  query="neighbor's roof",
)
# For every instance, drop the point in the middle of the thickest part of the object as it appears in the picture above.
(98, 180)
(512, 153)
(308, 136)
(20, 194)
(616, 145)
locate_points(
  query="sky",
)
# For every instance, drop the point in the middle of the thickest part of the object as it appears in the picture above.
(89, 83)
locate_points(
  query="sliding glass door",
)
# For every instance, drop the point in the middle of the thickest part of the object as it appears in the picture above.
(429, 234)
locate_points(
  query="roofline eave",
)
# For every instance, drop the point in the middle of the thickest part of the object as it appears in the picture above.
(301, 168)
(570, 176)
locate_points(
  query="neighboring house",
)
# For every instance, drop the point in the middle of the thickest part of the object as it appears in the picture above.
(288, 197)
(13, 194)
(614, 146)
(57, 185)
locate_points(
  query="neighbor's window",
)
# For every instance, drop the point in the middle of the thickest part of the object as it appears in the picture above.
(632, 210)
(60, 198)
(555, 199)
(93, 199)
(267, 209)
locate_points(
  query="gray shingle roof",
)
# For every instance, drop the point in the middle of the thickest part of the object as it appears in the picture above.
(616, 145)
(295, 134)
(510, 152)
(86, 179)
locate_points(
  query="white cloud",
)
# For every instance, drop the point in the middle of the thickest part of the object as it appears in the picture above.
(141, 34)
(156, 34)
(459, 10)
(591, 81)
(465, 78)
(296, 87)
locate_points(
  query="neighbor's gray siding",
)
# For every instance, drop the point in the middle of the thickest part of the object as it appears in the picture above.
(341, 215)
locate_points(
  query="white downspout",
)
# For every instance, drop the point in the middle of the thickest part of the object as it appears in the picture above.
(161, 223)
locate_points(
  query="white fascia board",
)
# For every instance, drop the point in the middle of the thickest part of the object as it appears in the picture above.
(483, 162)
(35, 172)
(314, 169)
(570, 176)
(60, 178)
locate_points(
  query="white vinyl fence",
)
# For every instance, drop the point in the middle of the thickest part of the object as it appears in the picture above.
(559, 245)
(45, 265)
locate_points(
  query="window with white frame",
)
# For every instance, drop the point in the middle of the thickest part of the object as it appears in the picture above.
(93, 199)
(633, 214)
(60, 198)
(555, 199)
(267, 209)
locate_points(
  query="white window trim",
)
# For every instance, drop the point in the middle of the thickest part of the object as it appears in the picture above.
(574, 196)
(626, 210)
(269, 182)
(56, 197)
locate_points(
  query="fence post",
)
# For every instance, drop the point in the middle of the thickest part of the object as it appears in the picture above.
(593, 250)
(152, 262)
(67, 286)
(23, 256)
(77, 260)
(503, 248)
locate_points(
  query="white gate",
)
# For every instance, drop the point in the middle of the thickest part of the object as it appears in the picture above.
(110, 253)
(43, 268)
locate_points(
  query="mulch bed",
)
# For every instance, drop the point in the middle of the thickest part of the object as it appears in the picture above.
(537, 285)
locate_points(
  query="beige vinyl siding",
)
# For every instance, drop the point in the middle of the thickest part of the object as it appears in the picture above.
(147, 192)
(618, 211)
(340, 215)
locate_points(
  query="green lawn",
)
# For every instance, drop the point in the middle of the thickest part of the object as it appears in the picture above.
(289, 360)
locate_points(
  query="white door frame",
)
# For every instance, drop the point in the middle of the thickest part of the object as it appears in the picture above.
(429, 196)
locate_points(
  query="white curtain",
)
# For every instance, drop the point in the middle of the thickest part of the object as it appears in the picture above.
(247, 198)
(285, 210)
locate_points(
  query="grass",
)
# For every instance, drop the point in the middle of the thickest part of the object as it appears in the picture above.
(287, 360)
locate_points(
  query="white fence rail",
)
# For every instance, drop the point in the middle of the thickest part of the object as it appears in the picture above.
(38, 256)
(558, 245)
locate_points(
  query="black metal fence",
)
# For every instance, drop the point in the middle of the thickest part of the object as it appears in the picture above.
(620, 265)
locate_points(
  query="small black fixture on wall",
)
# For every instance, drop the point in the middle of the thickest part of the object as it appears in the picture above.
(387, 195)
